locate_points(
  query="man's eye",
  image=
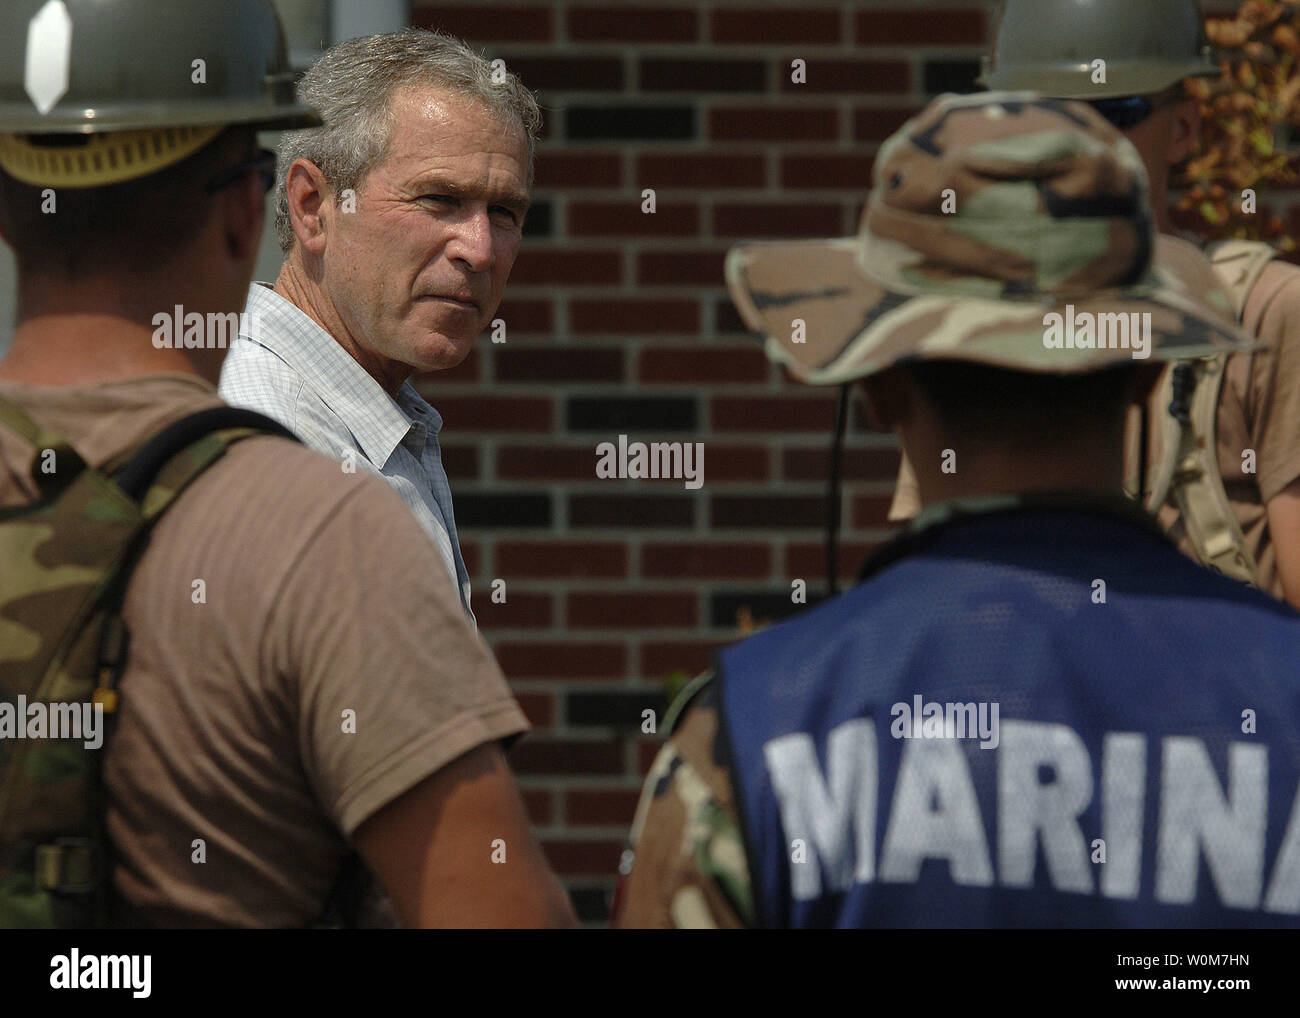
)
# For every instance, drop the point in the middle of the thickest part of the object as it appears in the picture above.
(508, 213)
(444, 198)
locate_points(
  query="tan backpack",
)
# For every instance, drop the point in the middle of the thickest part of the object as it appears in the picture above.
(1189, 465)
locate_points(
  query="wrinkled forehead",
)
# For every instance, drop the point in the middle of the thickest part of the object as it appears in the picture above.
(433, 118)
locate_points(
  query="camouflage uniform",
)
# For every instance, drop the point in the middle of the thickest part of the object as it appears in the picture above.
(1048, 46)
(1050, 209)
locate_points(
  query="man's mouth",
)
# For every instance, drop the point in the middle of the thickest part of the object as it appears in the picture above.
(468, 303)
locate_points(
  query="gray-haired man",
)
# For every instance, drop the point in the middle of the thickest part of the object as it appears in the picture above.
(400, 220)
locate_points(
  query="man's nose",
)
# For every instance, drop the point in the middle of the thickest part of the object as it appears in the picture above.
(471, 241)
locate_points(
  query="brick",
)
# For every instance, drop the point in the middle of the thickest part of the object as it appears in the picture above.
(680, 268)
(878, 123)
(597, 806)
(538, 659)
(849, 172)
(869, 512)
(950, 76)
(520, 610)
(807, 561)
(870, 463)
(634, 317)
(786, 25)
(540, 805)
(557, 559)
(919, 28)
(626, 413)
(495, 413)
(460, 462)
(778, 414)
(675, 74)
(502, 510)
(525, 317)
(776, 512)
(701, 365)
(664, 658)
(646, 751)
(700, 170)
(537, 755)
(632, 611)
(705, 561)
(468, 371)
(539, 222)
(585, 857)
(629, 123)
(573, 170)
(852, 76)
(777, 220)
(539, 708)
(548, 265)
(762, 123)
(736, 463)
(568, 74)
(547, 463)
(549, 364)
(726, 609)
(727, 320)
(621, 710)
(625, 219)
(632, 24)
(632, 511)
(479, 22)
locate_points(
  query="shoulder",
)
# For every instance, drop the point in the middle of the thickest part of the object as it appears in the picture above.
(254, 375)
(270, 493)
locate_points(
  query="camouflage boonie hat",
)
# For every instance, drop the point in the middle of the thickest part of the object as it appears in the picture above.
(989, 214)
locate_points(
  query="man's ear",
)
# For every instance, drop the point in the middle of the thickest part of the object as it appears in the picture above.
(308, 195)
(242, 207)
(1184, 130)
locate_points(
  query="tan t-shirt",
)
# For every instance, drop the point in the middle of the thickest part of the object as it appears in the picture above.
(320, 595)
(1259, 410)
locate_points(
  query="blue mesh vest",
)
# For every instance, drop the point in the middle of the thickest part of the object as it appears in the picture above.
(1030, 715)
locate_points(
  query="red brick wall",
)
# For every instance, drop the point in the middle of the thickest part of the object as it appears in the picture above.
(618, 323)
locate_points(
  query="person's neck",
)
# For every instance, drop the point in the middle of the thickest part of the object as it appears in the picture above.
(1091, 469)
(301, 285)
(1160, 209)
(87, 346)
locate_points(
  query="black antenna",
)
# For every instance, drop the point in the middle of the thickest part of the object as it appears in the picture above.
(833, 496)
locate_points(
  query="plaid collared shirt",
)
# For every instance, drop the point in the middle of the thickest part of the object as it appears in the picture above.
(286, 366)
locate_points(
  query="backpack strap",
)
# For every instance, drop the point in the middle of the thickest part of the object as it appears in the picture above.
(1239, 264)
(16, 419)
(157, 473)
(1191, 391)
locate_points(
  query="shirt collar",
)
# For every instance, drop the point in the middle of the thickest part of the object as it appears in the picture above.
(936, 518)
(378, 422)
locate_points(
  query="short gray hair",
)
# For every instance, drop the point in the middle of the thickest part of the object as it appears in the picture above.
(351, 86)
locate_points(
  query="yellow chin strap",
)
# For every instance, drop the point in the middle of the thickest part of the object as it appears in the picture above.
(108, 158)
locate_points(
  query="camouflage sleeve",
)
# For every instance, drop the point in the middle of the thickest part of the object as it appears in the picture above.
(688, 867)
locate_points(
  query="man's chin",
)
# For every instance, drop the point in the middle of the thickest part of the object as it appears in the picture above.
(440, 353)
